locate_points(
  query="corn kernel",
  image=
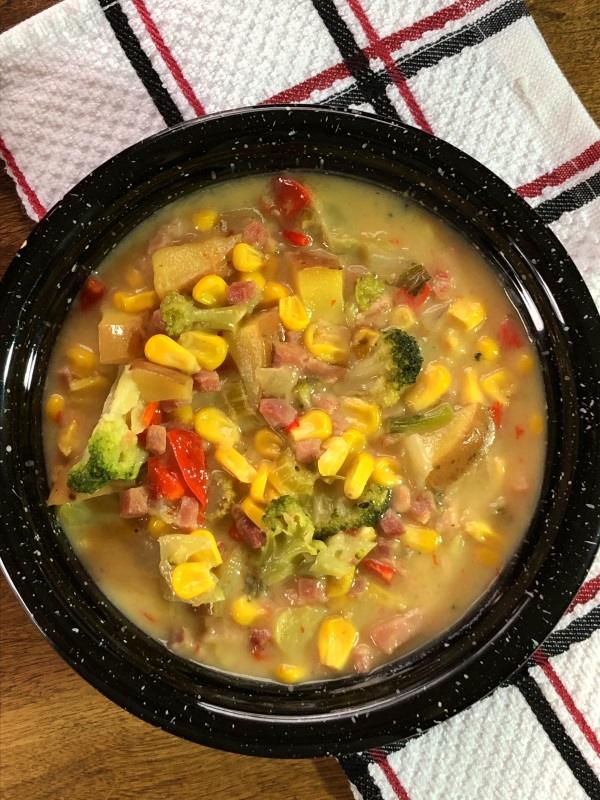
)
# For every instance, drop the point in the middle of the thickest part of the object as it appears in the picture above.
(364, 341)
(293, 314)
(246, 258)
(433, 382)
(184, 414)
(268, 444)
(157, 526)
(524, 364)
(481, 531)
(88, 384)
(337, 637)
(273, 292)
(425, 540)
(386, 471)
(257, 279)
(271, 493)
(134, 278)
(487, 556)
(211, 290)
(191, 579)
(209, 349)
(332, 460)
(82, 360)
(289, 673)
(134, 303)
(359, 473)
(327, 342)
(451, 341)
(536, 424)
(254, 511)
(259, 484)
(55, 405)
(488, 347)
(216, 427)
(160, 349)
(365, 417)
(470, 391)
(67, 438)
(314, 424)
(403, 317)
(356, 440)
(246, 612)
(236, 464)
(211, 554)
(337, 587)
(205, 219)
(498, 385)
(468, 311)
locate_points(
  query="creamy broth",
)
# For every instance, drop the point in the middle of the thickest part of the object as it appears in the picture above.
(454, 457)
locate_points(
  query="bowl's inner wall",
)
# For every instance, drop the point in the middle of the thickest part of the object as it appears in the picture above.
(123, 201)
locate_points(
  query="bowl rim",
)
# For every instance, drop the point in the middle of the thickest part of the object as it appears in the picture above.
(56, 621)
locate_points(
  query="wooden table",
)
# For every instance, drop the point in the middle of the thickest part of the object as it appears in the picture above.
(59, 738)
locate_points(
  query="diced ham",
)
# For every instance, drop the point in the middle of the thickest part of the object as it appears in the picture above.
(295, 337)
(207, 380)
(187, 516)
(171, 232)
(310, 590)
(297, 356)
(519, 482)
(278, 413)
(308, 450)
(340, 422)
(358, 587)
(156, 439)
(66, 375)
(441, 285)
(259, 638)
(134, 502)
(362, 657)
(384, 549)
(157, 323)
(255, 234)
(304, 259)
(422, 507)
(181, 637)
(447, 522)
(401, 498)
(326, 402)
(391, 633)
(377, 315)
(249, 532)
(391, 525)
(241, 292)
(172, 405)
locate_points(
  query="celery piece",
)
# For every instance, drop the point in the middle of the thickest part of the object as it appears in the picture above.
(413, 279)
(295, 627)
(422, 423)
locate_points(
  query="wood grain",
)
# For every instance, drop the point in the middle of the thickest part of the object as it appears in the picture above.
(60, 738)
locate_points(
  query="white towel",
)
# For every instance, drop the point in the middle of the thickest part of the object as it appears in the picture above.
(87, 78)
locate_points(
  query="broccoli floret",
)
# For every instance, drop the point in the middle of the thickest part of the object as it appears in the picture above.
(221, 496)
(112, 454)
(304, 390)
(388, 370)
(286, 515)
(368, 510)
(368, 288)
(180, 314)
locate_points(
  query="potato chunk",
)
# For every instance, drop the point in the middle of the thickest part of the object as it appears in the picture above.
(251, 347)
(178, 267)
(456, 447)
(157, 383)
(121, 335)
(321, 290)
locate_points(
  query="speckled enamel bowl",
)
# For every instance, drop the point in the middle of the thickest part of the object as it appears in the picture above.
(532, 592)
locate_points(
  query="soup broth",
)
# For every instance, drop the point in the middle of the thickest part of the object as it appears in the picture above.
(295, 427)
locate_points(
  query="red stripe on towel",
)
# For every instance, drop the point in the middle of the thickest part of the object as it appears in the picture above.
(324, 80)
(561, 690)
(562, 173)
(587, 592)
(168, 57)
(34, 201)
(381, 760)
(381, 51)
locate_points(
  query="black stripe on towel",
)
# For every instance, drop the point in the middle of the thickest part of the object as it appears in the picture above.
(577, 631)
(371, 84)
(555, 731)
(142, 65)
(569, 200)
(356, 767)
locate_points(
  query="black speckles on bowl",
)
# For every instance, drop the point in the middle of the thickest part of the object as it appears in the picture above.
(527, 600)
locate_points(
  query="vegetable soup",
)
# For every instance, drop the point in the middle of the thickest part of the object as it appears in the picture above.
(294, 426)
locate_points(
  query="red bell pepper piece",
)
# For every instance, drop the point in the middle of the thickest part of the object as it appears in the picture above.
(412, 301)
(152, 415)
(235, 534)
(290, 198)
(297, 239)
(295, 423)
(385, 571)
(164, 480)
(509, 334)
(497, 410)
(519, 431)
(189, 455)
(93, 291)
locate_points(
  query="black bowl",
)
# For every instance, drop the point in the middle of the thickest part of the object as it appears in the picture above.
(532, 592)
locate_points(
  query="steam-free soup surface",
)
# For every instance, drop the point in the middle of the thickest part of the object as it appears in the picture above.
(295, 428)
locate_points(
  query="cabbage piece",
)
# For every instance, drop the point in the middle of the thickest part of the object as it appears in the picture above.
(177, 548)
(340, 553)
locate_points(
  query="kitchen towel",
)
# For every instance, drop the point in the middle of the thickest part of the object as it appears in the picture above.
(87, 78)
